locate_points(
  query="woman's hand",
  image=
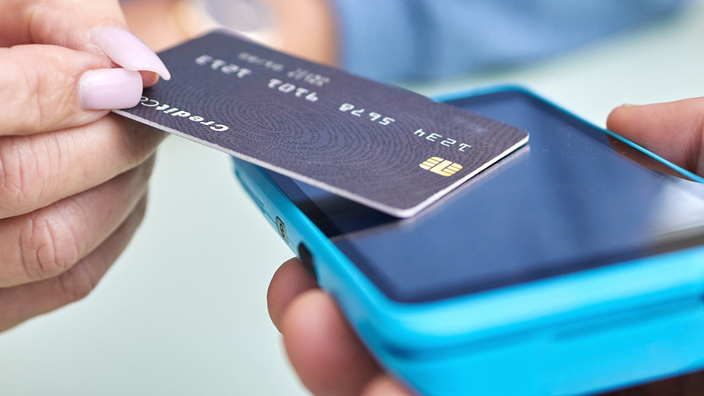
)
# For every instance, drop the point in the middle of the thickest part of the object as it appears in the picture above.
(331, 360)
(73, 179)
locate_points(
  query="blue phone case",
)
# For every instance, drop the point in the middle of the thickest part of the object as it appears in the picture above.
(586, 332)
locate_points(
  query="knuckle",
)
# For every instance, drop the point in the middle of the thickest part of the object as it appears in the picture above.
(31, 103)
(24, 161)
(27, 105)
(14, 82)
(17, 174)
(40, 87)
(141, 210)
(146, 170)
(138, 142)
(48, 245)
(77, 283)
(36, 101)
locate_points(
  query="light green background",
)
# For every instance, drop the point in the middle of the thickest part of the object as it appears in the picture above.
(183, 312)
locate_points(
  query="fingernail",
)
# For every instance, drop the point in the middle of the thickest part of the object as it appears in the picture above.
(628, 105)
(125, 49)
(107, 89)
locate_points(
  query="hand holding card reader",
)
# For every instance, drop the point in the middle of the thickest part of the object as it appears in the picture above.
(564, 269)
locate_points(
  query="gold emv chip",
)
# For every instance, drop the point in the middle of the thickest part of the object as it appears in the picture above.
(441, 166)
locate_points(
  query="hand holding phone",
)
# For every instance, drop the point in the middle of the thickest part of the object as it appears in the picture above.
(330, 358)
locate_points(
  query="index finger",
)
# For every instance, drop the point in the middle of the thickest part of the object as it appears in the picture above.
(96, 26)
(46, 88)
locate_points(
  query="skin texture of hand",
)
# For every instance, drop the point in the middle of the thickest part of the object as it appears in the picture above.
(330, 359)
(304, 28)
(73, 178)
(307, 29)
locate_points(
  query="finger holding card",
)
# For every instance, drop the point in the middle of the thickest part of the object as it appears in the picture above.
(48, 88)
(92, 26)
(74, 177)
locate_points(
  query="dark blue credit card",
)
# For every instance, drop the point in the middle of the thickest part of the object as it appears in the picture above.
(379, 145)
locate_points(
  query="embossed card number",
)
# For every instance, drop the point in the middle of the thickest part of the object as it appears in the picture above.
(384, 147)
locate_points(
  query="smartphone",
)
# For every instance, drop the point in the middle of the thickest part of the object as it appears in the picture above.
(571, 267)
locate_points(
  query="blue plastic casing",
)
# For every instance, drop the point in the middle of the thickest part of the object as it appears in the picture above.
(582, 333)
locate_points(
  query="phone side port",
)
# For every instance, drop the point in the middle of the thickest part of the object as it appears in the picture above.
(281, 228)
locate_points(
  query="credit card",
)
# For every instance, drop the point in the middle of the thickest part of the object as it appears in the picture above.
(382, 146)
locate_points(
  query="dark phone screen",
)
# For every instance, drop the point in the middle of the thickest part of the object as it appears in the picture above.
(567, 202)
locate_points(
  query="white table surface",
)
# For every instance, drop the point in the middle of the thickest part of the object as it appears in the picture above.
(183, 311)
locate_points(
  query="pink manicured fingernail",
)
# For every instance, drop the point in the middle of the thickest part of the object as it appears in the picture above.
(125, 49)
(107, 89)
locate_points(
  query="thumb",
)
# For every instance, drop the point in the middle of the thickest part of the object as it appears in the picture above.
(96, 26)
(673, 130)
